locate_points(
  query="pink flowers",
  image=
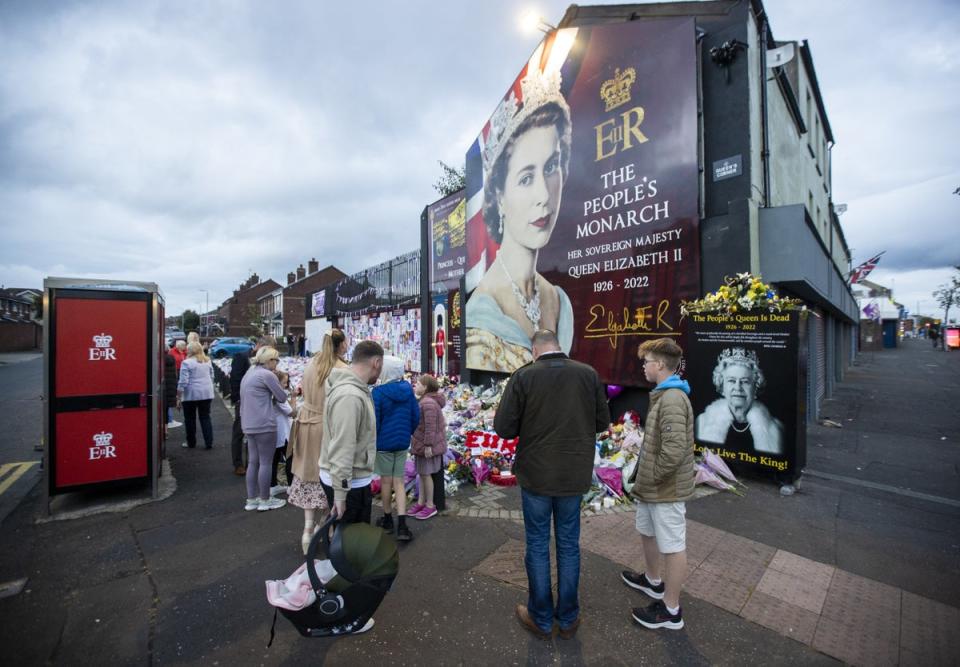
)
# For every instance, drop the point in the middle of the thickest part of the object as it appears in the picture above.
(713, 460)
(711, 470)
(480, 471)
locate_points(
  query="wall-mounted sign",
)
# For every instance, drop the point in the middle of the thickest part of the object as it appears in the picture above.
(728, 167)
(318, 303)
(448, 251)
(747, 373)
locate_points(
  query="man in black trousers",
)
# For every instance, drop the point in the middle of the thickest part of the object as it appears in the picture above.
(238, 368)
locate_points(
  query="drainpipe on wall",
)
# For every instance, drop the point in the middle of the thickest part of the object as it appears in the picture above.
(764, 130)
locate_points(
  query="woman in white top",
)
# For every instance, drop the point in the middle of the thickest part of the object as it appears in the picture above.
(195, 394)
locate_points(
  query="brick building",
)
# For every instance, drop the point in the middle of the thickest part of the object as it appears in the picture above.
(282, 308)
(20, 328)
(238, 312)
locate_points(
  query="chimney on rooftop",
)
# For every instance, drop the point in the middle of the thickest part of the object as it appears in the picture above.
(301, 272)
(291, 278)
(313, 266)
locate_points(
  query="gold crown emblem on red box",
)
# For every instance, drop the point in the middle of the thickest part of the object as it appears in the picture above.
(102, 439)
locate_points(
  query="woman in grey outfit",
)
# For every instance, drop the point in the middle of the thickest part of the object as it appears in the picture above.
(259, 390)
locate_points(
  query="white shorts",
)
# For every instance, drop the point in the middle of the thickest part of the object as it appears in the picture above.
(665, 521)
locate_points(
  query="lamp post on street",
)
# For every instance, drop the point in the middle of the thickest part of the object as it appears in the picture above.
(531, 21)
(204, 319)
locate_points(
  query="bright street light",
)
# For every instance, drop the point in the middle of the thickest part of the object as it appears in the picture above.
(205, 312)
(531, 20)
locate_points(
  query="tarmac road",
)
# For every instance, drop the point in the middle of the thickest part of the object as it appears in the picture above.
(21, 411)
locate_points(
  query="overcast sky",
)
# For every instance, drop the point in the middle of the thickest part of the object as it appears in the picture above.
(188, 143)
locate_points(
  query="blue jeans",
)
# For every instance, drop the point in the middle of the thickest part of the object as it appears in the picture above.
(537, 511)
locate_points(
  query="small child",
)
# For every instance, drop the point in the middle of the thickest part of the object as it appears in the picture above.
(397, 416)
(429, 443)
(285, 412)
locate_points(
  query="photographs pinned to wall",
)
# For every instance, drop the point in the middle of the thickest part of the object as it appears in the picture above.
(397, 331)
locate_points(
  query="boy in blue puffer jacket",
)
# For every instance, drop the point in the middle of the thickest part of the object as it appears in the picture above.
(398, 415)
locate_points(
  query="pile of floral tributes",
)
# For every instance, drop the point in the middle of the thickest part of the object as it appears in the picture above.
(742, 292)
(476, 455)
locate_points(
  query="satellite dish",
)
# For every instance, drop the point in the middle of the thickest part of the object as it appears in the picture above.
(781, 55)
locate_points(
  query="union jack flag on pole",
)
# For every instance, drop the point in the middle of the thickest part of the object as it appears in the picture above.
(864, 269)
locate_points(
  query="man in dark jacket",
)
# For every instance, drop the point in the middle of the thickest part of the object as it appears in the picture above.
(556, 406)
(238, 368)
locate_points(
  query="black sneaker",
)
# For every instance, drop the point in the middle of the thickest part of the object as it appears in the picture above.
(641, 583)
(386, 522)
(656, 616)
(403, 533)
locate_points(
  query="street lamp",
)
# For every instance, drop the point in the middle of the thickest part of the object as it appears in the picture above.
(205, 315)
(531, 21)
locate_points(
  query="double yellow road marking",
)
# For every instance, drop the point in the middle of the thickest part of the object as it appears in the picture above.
(11, 472)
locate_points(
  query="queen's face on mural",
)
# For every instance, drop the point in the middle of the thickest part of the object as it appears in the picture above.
(530, 199)
(739, 385)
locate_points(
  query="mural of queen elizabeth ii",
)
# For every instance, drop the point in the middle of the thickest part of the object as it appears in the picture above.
(526, 156)
(737, 419)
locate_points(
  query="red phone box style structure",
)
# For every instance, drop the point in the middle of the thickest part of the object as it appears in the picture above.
(103, 420)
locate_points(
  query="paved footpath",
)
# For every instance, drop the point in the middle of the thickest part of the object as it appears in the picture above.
(799, 580)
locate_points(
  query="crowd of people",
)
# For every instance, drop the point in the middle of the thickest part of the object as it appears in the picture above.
(360, 417)
(332, 441)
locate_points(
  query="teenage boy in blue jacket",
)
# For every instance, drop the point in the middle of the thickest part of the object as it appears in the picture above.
(398, 415)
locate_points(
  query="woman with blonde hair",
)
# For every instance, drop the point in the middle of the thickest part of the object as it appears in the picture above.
(260, 393)
(306, 491)
(195, 394)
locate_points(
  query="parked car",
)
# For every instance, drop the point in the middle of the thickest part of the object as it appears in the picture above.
(173, 335)
(225, 347)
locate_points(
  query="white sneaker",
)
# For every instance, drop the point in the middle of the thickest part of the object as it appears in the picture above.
(272, 504)
(174, 424)
(277, 490)
(366, 626)
(252, 504)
